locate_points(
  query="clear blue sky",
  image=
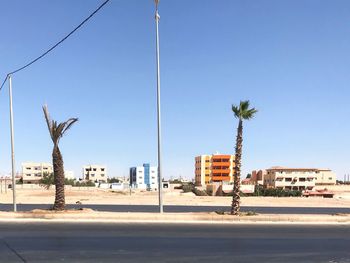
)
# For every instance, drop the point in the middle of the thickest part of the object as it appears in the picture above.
(291, 59)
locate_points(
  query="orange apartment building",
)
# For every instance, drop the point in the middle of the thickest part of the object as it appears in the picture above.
(214, 168)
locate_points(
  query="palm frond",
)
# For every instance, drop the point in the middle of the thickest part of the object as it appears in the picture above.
(244, 105)
(242, 111)
(48, 121)
(249, 114)
(236, 111)
(57, 129)
(69, 124)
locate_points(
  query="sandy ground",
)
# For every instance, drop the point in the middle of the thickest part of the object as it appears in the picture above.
(174, 197)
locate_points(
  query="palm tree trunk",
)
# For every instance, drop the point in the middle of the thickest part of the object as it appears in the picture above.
(58, 171)
(237, 171)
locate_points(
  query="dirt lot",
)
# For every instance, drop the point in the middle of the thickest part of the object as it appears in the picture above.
(175, 197)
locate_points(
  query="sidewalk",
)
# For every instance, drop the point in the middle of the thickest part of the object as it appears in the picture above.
(88, 215)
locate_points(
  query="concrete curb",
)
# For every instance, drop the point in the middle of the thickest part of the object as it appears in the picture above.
(94, 216)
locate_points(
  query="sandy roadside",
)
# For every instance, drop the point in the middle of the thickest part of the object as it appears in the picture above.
(101, 196)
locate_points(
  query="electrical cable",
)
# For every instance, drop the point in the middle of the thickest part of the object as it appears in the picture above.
(54, 46)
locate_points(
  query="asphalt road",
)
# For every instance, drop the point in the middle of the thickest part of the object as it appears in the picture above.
(68, 242)
(180, 209)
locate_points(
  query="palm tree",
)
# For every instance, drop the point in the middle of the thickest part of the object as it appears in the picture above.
(57, 130)
(241, 112)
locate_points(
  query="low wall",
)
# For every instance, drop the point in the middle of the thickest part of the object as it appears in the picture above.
(68, 187)
(334, 188)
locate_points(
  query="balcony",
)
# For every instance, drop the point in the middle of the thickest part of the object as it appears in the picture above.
(220, 178)
(215, 163)
(221, 171)
(294, 183)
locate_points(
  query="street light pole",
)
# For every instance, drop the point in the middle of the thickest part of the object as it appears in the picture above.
(160, 186)
(12, 147)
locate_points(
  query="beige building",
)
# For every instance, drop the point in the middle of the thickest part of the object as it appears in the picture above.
(298, 178)
(95, 173)
(214, 168)
(33, 172)
(325, 177)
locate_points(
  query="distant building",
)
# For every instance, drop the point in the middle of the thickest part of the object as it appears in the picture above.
(144, 177)
(325, 177)
(33, 172)
(69, 175)
(95, 173)
(298, 178)
(214, 168)
(258, 177)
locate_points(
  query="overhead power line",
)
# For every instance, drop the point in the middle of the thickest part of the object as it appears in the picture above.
(54, 46)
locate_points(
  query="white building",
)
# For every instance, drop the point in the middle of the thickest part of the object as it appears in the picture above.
(69, 175)
(33, 172)
(144, 177)
(95, 173)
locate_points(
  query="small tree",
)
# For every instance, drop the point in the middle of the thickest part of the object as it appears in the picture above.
(113, 180)
(47, 180)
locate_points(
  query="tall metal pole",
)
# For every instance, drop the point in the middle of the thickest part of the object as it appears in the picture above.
(12, 147)
(160, 186)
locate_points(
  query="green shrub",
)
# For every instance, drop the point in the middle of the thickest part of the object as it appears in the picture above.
(186, 188)
(260, 191)
(83, 184)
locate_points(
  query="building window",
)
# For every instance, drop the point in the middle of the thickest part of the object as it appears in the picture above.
(102, 169)
(288, 179)
(102, 175)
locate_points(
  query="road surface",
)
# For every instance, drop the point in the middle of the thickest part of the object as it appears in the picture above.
(122, 242)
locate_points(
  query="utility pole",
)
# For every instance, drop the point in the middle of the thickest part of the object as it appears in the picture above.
(160, 183)
(12, 147)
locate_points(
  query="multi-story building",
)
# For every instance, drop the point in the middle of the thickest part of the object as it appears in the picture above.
(256, 178)
(144, 177)
(325, 177)
(69, 175)
(95, 173)
(215, 168)
(33, 172)
(297, 178)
